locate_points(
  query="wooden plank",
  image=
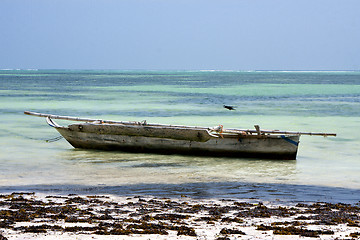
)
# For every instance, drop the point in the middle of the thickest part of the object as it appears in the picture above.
(199, 135)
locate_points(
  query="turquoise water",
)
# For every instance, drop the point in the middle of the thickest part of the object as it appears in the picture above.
(327, 169)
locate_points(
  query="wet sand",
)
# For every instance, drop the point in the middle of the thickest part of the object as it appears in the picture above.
(37, 216)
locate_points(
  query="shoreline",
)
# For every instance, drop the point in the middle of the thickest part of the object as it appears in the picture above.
(277, 193)
(38, 216)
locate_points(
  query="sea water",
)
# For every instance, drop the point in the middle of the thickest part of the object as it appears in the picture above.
(326, 169)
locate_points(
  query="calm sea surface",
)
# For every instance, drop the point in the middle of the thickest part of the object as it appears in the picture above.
(327, 169)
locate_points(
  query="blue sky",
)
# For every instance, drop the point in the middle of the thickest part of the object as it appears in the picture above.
(180, 35)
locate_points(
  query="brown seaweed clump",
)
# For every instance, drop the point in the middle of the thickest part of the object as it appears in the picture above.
(231, 231)
(292, 230)
(355, 235)
(2, 237)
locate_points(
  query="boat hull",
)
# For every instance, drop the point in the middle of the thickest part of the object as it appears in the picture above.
(253, 146)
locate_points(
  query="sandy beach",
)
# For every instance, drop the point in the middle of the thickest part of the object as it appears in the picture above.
(39, 216)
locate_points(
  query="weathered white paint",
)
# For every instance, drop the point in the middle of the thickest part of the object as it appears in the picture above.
(98, 136)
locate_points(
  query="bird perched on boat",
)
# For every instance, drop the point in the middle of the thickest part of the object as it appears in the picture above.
(229, 107)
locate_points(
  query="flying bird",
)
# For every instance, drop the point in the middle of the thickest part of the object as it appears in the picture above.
(229, 107)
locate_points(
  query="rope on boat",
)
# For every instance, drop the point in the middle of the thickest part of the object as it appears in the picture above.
(219, 130)
(26, 136)
(54, 139)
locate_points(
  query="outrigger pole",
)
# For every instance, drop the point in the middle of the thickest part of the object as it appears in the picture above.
(70, 118)
(283, 132)
(225, 131)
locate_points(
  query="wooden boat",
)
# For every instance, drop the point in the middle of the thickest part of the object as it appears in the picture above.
(173, 139)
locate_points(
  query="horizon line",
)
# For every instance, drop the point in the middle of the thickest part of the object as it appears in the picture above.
(178, 70)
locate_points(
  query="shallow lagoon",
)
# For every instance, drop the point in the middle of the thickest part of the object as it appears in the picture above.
(326, 168)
